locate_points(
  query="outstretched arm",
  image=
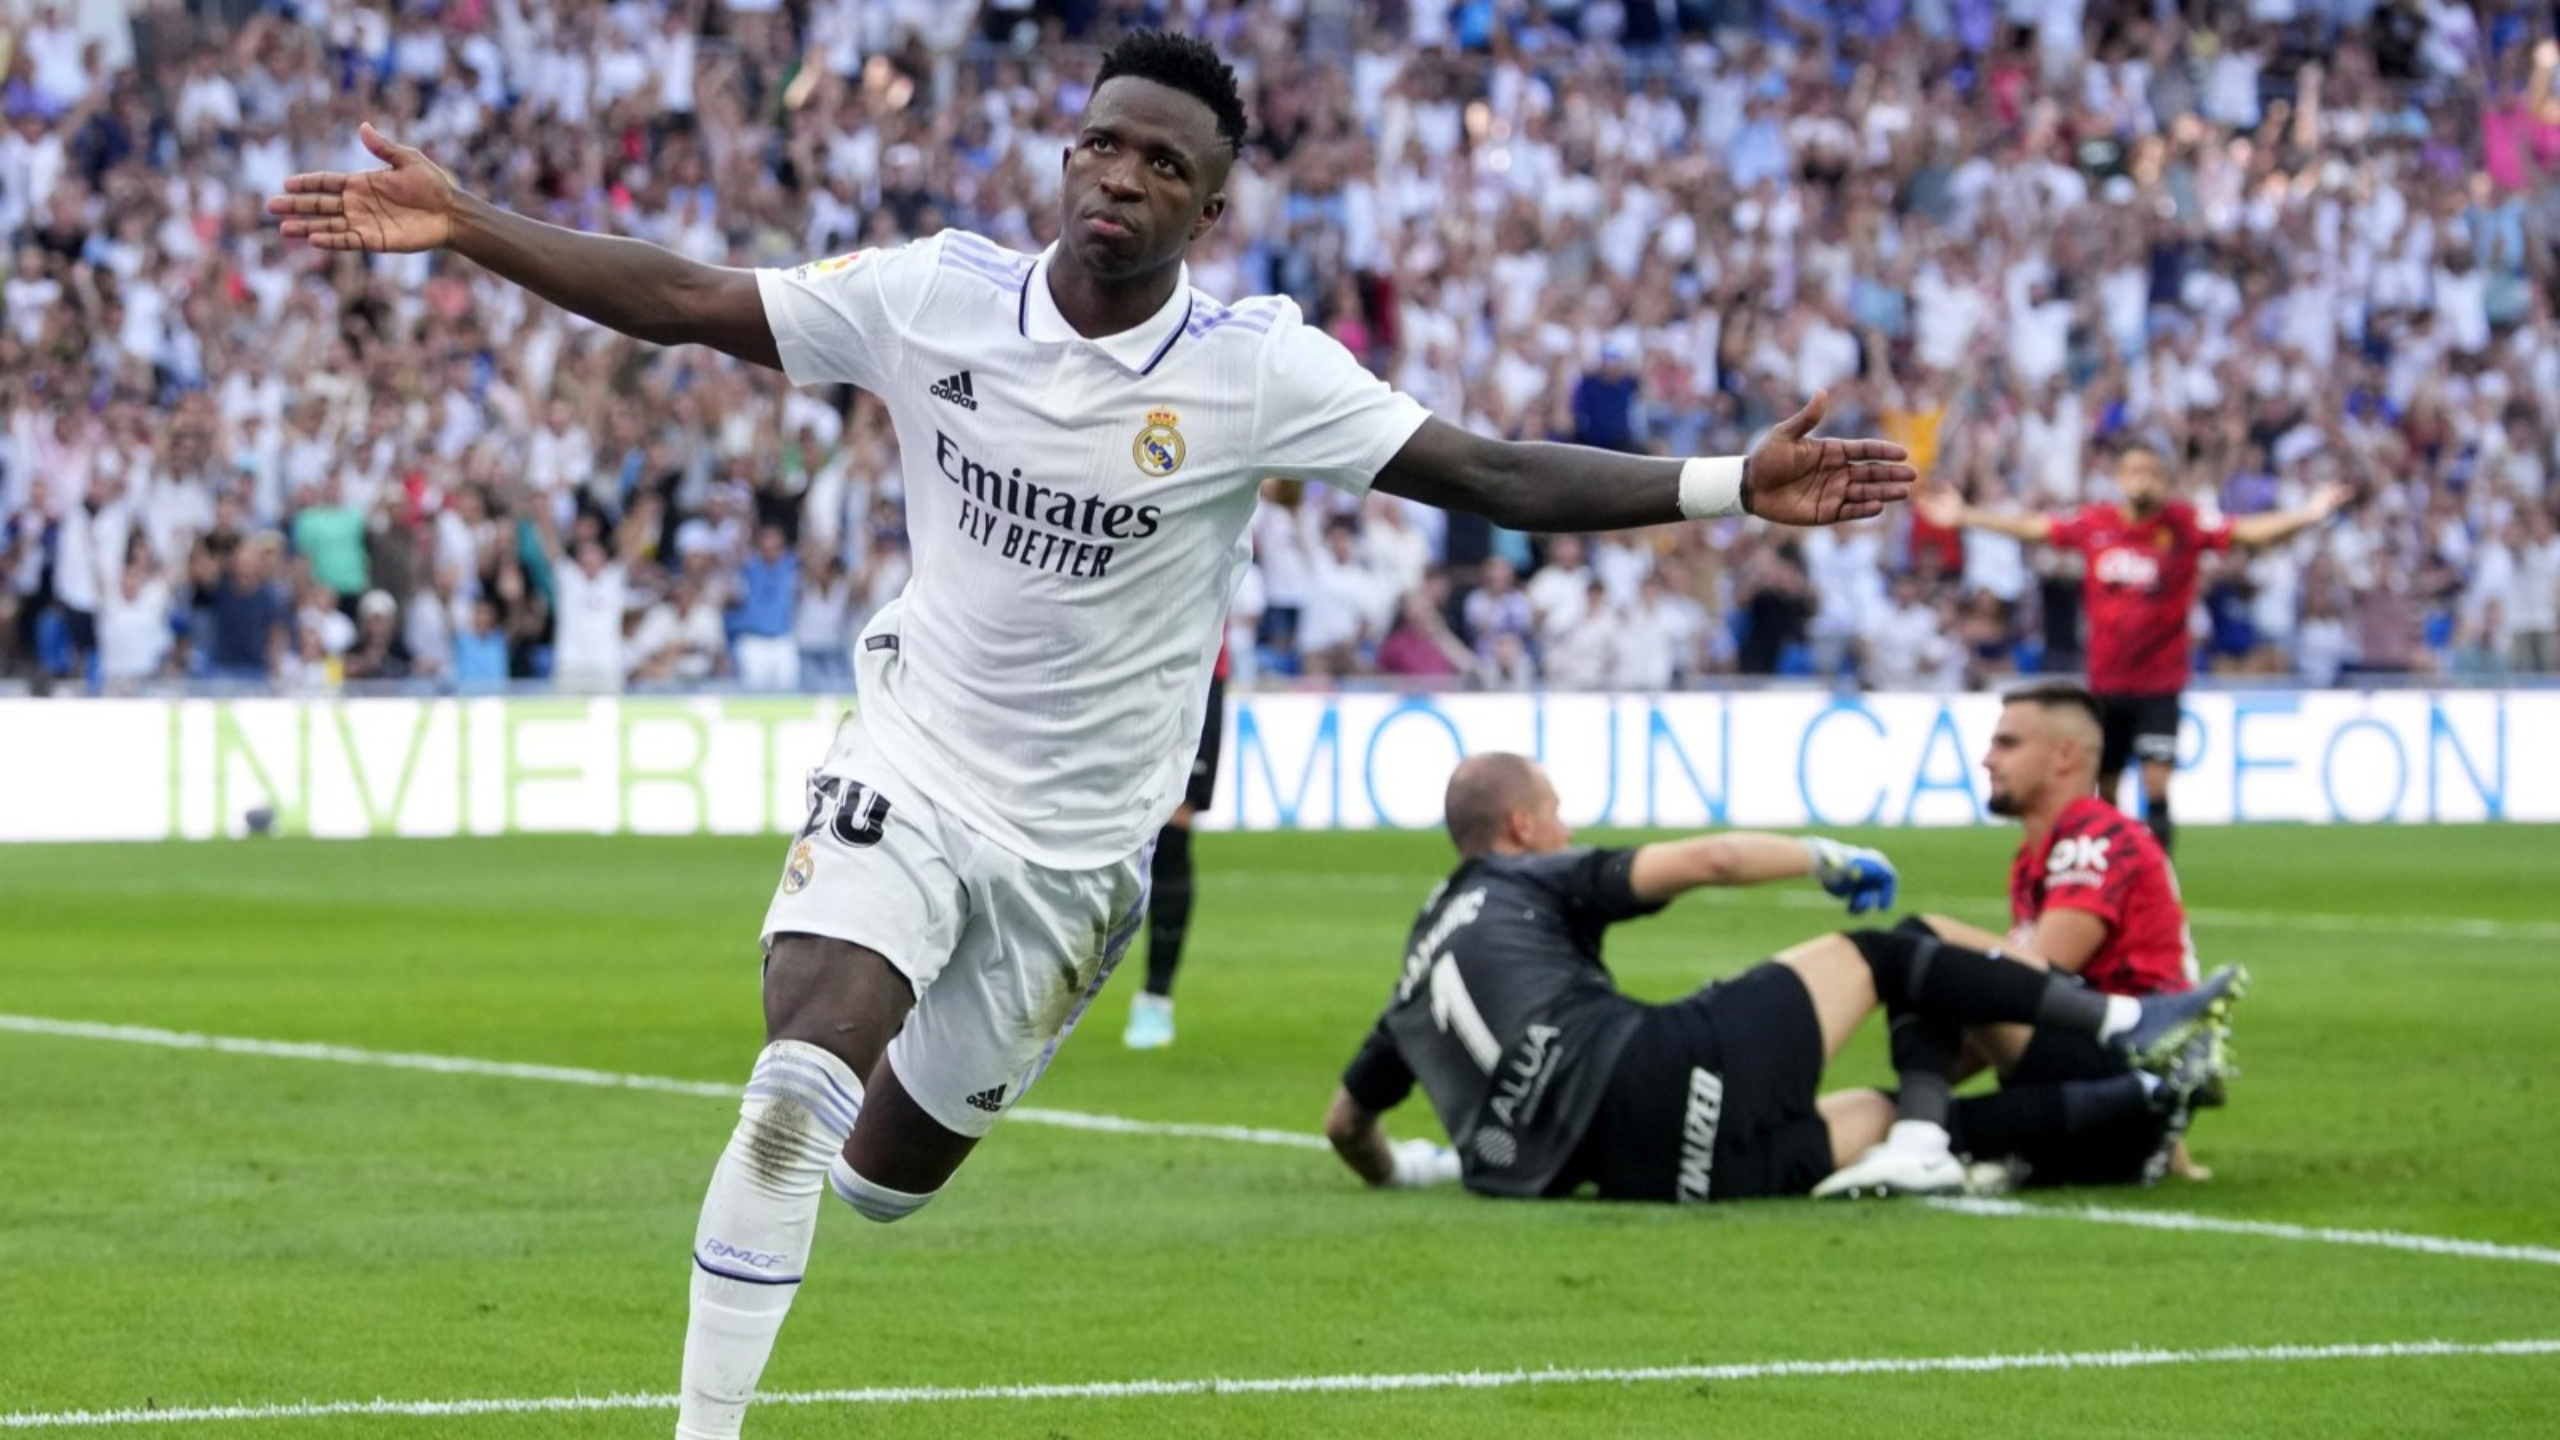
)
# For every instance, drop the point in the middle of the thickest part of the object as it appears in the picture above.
(1941, 506)
(1743, 857)
(1789, 477)
(629, 285)
(2256, 532)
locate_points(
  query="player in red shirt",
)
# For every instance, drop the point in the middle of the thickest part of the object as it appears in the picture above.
(2139, 589)
(2090, 892)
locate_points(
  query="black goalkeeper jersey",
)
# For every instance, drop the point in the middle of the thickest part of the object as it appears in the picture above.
(1506, 1014)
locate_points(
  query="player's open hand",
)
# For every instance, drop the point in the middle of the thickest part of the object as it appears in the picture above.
(404, 208)
(2331, 498)
(1796, 479)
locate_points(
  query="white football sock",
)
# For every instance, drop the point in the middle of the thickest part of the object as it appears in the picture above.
(752, 1245)
(2123, 1013)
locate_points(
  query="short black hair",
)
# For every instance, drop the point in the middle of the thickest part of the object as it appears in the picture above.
(1483, 791)
(1184, 63)
(2057, 695)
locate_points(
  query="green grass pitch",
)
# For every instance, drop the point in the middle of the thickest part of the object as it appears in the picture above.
(181, 1228)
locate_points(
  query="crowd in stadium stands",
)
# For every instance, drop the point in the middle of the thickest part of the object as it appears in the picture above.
(2291, 240)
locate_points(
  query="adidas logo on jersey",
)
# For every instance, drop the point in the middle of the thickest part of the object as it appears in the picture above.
(960, 390)
(988, 1100)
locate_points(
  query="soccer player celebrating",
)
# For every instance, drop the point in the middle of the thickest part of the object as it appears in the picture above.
(1083, 435)
(1546, 1079)
(2140, 587)
(2090, 894)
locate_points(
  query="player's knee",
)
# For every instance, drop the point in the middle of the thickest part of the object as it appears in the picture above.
(836, 996)
(1881, 949)
(1898, 958)
(871, 1200)
(802, 1100)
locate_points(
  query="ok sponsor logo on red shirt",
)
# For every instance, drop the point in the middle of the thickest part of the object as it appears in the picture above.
(2077, 860)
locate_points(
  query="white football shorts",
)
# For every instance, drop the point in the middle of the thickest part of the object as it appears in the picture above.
(1004, 954)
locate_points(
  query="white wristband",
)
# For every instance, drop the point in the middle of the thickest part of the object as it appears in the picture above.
(1711, 487)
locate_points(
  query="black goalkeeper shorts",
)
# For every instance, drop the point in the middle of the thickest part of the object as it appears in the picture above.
(1713, 1098)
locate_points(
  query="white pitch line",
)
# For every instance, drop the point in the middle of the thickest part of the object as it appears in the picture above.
(1322, 1384)
(600, 1079)
(1234, 1134)
(2214, 1224)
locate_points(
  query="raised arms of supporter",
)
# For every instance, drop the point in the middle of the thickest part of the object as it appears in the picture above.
(2255, 532)
(1791, 476)
(1668, 868)
(1943, 507)
(629, 285)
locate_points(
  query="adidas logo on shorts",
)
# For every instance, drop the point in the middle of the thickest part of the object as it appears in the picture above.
(988, 1100)
(960, 391)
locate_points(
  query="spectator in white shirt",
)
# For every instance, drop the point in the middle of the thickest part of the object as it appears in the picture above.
(429, 621)
(1585, 655)
(1285, 553)
(2535, 615)
(1994, 564)
(586, 645)
(2324, 644)
(823, 624)
(1392, 547)
(1845, 565)
(1658, 640)
(1621, 562)
(681, 640)
(1498, 606)
(133, 624)
(1907, 646)
(1341, 606)
(1557, 589)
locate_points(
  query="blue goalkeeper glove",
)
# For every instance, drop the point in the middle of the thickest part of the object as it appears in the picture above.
(1861, 876)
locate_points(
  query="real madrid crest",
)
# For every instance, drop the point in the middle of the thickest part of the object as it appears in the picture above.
(1159, 449)
(803, 866)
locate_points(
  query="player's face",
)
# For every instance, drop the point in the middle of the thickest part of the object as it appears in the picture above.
(1144, 179)
(1542, 823)
(2017, 761)
(2144, 480)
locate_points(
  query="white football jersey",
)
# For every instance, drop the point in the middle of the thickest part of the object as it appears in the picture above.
(1076, 510)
